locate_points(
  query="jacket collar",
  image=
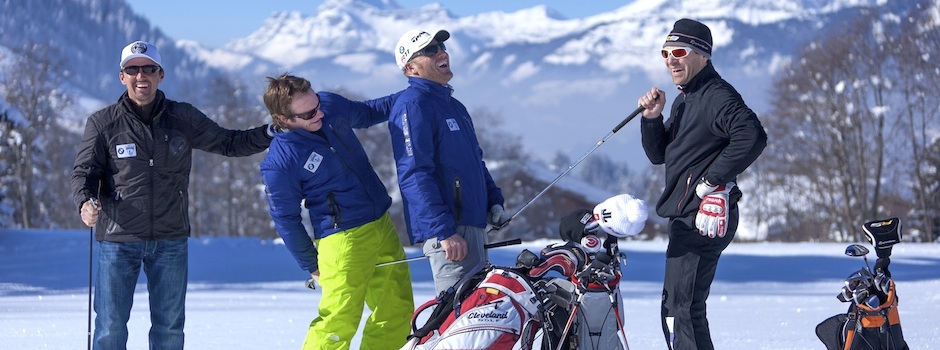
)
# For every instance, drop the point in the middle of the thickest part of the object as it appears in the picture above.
(159, 103)
(708, 73)
(422, 84)
(301, 134)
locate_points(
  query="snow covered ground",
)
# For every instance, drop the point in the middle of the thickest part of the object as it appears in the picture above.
(250, 294)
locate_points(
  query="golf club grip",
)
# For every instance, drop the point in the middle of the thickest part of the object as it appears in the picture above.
(628, 118)
(503, 243)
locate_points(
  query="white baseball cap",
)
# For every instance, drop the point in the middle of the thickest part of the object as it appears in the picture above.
(621, 215)
(140, 49)
(413, 41)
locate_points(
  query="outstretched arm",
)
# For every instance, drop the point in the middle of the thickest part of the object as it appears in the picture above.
(361, 114)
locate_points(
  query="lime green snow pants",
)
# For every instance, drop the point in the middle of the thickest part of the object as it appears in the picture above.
(349, 280)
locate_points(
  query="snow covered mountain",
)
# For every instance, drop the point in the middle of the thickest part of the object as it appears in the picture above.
(559, 83)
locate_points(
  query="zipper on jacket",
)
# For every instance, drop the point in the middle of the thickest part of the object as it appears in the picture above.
(458, 205)
(337, 217)
(340, 139)
(183, 214)
(688, 184)
(354, 172)
(153, 235)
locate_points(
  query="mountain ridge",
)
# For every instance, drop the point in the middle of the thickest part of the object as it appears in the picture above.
(559, 83)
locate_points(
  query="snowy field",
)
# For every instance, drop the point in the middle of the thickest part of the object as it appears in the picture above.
(250, 294)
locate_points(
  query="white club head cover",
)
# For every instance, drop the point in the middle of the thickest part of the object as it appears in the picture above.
(622, 215)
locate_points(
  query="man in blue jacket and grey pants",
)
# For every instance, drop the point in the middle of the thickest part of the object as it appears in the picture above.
(447, 191)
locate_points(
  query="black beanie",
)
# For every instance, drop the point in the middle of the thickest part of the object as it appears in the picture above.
(691, 33)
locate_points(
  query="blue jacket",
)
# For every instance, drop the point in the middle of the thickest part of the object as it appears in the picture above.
(443, 179)
(330, 176)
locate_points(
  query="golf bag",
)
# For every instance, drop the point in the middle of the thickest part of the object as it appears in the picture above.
(592, 315)
(502, 308)
(872, 321)
(591, 318)
(491, 308)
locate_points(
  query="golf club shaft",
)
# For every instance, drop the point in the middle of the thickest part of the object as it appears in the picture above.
(488, 246)
(572, 166)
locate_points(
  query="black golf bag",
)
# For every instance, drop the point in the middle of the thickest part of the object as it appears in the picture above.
(872, 321)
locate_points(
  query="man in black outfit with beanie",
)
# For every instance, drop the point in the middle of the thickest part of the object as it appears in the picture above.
(711, 136)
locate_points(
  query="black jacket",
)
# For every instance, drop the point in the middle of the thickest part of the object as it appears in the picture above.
(140, 172)
(710, 133)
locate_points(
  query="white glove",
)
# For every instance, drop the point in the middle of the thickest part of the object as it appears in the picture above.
(497, 216)
(712, 217)
(271, 130)
(703, 188)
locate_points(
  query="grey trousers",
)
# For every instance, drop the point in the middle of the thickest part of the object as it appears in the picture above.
(447, 272)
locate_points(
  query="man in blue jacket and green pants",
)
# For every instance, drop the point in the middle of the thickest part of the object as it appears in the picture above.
(318, 162)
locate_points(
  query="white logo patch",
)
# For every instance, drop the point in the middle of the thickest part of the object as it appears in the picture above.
(128, 150)
(313, 162)
(452, 124)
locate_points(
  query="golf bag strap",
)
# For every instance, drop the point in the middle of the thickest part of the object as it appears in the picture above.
(850, 327)
(437, 317)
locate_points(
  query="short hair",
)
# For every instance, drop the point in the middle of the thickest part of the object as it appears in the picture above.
(280, 93)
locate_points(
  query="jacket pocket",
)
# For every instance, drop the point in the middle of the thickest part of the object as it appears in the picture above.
(689, 191)
(184, 209)
(113, 214)
(458, 202)
(335, 212)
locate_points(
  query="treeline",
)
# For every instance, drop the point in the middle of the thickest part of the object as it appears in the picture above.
(853, 137)
(854, 132)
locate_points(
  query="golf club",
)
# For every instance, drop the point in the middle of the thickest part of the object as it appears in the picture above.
(487, 246)
(572, 166)
(858, 250)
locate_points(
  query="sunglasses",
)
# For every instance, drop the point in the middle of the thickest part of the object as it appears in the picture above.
(133, 70)
(429, 50)
(677, 53)
(310, 114)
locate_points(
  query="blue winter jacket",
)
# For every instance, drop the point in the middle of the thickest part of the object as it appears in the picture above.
(330, 176)
(443, 179)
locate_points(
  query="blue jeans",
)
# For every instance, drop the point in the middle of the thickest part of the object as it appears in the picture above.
(166, 266)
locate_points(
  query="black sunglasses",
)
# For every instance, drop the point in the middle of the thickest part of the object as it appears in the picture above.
(312, 113)
(429, 50)
(133, 70)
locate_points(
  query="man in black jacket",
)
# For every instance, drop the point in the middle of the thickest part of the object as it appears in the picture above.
(130, 182)
(711, 136)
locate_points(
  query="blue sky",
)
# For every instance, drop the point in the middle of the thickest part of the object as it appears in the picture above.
(215, 22)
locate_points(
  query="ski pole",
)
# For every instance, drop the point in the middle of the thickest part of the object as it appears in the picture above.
(596, 145)
(488, 246)
(91, 240)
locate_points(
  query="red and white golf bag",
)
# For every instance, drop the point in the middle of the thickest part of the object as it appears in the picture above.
(494, 309)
